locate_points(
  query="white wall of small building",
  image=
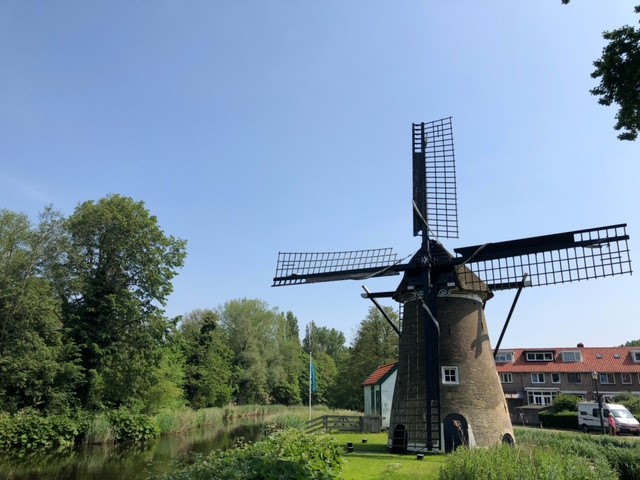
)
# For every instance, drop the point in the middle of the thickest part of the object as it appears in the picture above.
(387, 397)
(367, 400)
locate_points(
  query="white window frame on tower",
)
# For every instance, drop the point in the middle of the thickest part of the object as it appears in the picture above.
(450, 375)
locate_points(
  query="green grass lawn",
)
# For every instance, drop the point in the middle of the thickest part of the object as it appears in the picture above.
(370, 460)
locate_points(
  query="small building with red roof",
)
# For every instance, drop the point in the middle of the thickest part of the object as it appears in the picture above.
(378, 392)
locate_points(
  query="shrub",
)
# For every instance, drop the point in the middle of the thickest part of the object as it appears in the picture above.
(630, 401)
(285, 455)
(564, 419)
(621, 455)
(129, 426)
(99, 430)
(565, 402)
(516, 463)
(28, 430)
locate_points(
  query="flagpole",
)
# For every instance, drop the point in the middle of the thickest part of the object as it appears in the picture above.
(310, 366)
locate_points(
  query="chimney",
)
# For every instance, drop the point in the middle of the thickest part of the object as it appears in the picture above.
(581, 345)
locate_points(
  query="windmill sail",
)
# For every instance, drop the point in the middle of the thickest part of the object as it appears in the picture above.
(314, 267)
(550, 259)
(435, 200)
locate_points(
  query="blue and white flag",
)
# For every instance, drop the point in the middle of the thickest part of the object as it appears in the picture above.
(312, 375)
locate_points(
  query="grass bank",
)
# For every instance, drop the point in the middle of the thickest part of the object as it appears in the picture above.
(28, 430)
(540, 455)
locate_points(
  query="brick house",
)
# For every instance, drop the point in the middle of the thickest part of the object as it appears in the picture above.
(533, 377)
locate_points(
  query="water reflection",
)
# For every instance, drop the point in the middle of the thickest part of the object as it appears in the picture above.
(124, 461)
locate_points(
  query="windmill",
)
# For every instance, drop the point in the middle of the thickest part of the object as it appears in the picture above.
(447, 390)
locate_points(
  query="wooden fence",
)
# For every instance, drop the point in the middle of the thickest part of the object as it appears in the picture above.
(345, 423)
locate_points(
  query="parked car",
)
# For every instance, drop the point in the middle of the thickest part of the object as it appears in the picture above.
(589, 419)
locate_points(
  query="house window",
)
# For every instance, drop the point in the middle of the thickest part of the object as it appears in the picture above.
(626, 378)
(537, 378)
(555, 378)
(506, 378)
(574, 378)
(607, 379)
(504, 357)
(541, 397)
(450, 376)
(570, 357)
(539, 356)
(635, 356)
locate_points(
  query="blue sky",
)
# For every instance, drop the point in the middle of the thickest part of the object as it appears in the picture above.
(255, 127)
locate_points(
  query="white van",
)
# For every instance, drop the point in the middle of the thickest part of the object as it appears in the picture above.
(588, 418)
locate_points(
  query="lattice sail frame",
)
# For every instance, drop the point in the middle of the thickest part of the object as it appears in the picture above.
(313, 267)
(549, 259)
(434, 180)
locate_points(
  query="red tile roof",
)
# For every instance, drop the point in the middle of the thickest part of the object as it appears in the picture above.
(608, 363)
(379, 374)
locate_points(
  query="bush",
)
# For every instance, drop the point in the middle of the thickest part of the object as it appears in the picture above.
(630, 401)
(626, 462)
(516, 463)
(129, 426)
(285, 455)
(28, 430)
(622, 456)
(564, 402)
(564, 419)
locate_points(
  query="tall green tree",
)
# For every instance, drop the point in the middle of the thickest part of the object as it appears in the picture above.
(375, 344)
(619, 72)
(325, 339)
(122, 265)
(208, 358)
(266, 352)
(37, 369)
(284, 378)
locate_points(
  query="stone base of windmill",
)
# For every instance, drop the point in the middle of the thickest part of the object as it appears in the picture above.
(474, 412)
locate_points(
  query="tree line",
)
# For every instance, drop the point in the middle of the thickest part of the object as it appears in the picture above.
(83, 326)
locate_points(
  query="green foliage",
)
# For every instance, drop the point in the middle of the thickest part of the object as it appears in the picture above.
(38, 369)
(619, 72)
(98, 429)
(562, 419)
(630, 401)
(266, 356)
(166, 390)
(375, 344)
(620, 455)
(208, 360)
(326, 377)
(516, 463)
(324, 339)
(128, 426)
(565, 402)
(121, 265)
(27, 430)
(284, 455)
(632, 343)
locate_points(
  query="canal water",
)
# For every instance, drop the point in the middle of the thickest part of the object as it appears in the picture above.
(139, 461)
